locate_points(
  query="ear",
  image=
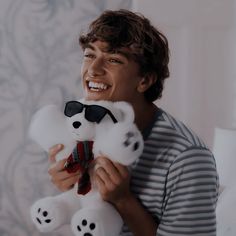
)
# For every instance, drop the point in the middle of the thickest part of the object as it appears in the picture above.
(146, 82)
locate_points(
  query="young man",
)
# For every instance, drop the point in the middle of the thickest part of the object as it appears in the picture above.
(172, 188)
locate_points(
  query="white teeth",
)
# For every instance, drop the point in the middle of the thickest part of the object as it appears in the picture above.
(94, 85)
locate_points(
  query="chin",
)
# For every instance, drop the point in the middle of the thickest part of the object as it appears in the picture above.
(96, 97)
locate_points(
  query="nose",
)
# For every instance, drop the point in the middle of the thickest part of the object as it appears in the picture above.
(76, 124)
(96, 68)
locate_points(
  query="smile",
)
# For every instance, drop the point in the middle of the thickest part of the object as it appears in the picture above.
(95, 86)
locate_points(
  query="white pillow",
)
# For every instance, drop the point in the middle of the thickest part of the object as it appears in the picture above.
(226, 212)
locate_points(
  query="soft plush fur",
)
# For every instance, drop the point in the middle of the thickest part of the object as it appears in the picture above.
(121, 142)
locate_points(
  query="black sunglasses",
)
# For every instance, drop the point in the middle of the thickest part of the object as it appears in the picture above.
(93, 113)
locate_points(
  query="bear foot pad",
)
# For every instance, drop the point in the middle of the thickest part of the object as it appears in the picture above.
(86, 227)
(42, 217)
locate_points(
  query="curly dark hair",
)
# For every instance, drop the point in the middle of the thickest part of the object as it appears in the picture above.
(149, 46)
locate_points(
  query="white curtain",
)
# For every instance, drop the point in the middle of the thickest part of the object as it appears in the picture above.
(201, 90)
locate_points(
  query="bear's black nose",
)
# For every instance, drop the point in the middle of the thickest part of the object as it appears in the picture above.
(76, 124)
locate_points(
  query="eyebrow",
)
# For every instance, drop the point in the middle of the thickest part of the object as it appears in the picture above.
(127, 55)
(89, 46)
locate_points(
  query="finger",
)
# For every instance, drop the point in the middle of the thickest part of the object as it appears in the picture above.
(57, 167)
(100, 185)
(68, 183)
(123, 170)
(93, 166)
(102, 175)
(53, 152)
(63, 175)
(107, 164)
(55, 149)
(110, 169)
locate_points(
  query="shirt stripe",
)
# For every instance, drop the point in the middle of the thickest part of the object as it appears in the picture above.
(176, 180)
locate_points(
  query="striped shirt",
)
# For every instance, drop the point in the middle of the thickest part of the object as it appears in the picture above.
(175, 179)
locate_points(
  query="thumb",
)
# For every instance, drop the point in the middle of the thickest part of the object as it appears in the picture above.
(53, 152)
(52, 159)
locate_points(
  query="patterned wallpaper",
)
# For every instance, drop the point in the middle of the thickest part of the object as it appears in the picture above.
(39, 64)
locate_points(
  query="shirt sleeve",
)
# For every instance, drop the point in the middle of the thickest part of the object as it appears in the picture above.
(190, 195)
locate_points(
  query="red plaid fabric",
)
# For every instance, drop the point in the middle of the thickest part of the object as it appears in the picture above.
(79, 160)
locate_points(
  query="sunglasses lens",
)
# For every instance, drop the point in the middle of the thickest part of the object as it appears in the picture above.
(95, 113)
(72, 108)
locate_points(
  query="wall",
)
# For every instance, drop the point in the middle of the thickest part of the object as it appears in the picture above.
(202, 85)
(39, 64)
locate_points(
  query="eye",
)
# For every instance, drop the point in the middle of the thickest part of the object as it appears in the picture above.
(115, 61)
(89, 55)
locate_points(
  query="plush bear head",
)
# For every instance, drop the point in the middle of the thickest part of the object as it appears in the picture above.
(109, 124)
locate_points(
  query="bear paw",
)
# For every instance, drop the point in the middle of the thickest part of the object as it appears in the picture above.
(43, 217)
(85, 224)
(123, 143)
(47, 214)
(132, 141)
(85, 228)
(101, 221)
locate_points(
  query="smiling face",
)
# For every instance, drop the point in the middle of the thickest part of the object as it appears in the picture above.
(110, 76)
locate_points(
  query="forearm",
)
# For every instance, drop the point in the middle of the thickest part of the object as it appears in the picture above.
(136, 217)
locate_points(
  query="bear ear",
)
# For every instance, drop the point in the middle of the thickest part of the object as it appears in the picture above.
(126, 110)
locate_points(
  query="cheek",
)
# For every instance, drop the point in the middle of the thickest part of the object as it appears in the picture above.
(123, 92)
(127, 84)
(83, 69)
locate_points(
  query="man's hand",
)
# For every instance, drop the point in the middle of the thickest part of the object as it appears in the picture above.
(113, 183)
(112, 180)
(59, 176)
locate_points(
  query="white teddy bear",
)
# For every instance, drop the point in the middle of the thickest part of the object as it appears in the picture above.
(110, 125)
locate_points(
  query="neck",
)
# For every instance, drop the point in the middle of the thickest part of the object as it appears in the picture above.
(144, 114)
